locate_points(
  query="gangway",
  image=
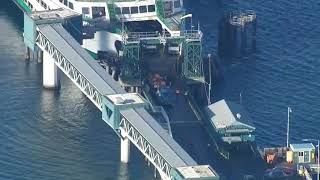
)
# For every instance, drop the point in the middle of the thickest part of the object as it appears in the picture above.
(124, 112)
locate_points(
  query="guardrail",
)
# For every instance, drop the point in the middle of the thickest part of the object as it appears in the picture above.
(137, 36)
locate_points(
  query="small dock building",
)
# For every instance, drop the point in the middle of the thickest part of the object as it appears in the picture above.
(302, 153)
(231, 122)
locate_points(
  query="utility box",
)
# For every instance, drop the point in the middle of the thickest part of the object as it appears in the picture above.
(303, 153)
(203, 172)
(113, 104)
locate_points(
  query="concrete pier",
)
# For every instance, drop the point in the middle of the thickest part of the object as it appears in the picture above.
(51, 78)
(27, 54)
(40, 56)
(125, 150)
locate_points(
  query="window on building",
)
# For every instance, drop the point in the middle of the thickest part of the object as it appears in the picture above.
(61, 1)
(38, 0)
(71, 5)
(43, 4)
(300, 154)
(118, 10)
(125, 10)
(177, 4)
(65, 2)
(85, 10)
(134, 10)
(151, 8)
(98, 12)
(142, 9)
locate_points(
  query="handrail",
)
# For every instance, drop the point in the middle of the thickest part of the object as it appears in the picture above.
(137, 36)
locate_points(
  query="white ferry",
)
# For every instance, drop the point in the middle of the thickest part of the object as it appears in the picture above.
(104, 19)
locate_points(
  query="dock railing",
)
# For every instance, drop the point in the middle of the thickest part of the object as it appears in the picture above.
(240, 18)
(278, 151)
(158, 109)
(306, 173)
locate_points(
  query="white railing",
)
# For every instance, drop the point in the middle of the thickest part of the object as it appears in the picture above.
(72, 72)
(137, 36)
(163, 166)
(160, 109)
(306, 174)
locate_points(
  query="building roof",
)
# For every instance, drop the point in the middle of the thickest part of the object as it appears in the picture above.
(302, 147)
(224, 114)
(126, 99)
(191, 172)
(55, 14)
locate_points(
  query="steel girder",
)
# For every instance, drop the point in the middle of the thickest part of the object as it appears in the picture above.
(163, 167)
(192, 66)
(77, 78)
(131, 62)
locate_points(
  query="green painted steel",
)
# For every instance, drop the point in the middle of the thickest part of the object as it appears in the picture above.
(151, 42)
(92, 54)
(192, 66)
(23, 5)
(248, 138)
(160, 10)
(111, 112)
(161, 14)
(30, 32)
(131, 70)
(112, 12)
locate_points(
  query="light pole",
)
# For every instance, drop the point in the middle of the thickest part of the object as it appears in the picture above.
(209, 93)
(206, 83)
(317, 140)
(288, 125)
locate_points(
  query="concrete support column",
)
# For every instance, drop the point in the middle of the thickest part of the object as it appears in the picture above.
(51, 78)
(40, 56)
(125, 150)
(113, 73)
(27, 54)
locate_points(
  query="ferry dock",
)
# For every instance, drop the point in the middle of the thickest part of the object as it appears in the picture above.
(146, 86)
(124, 110)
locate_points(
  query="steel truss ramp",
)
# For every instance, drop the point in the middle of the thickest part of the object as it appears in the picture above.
(69, 70)
(193, 66)
(136, 124)
(127, 117)
(128, 130)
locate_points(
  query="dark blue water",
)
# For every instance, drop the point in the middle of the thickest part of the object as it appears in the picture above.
(60, 135)
(283, 72)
